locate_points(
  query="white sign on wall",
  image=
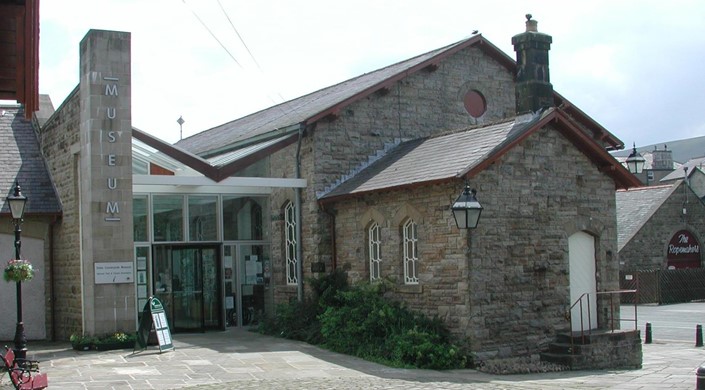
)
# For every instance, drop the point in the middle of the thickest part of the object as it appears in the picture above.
(107, 273)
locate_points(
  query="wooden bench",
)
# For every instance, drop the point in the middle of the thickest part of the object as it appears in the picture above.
(24, 373)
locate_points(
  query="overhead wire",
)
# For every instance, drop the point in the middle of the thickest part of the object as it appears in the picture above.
(252, 56)
(282, 106)
(239, 36)
(213, 35)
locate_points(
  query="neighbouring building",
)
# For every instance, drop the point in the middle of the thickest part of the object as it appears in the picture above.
(660, 227)
(693, 171)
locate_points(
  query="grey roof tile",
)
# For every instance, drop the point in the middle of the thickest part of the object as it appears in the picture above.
(21, 160)
(433, 159)
(634, 208)
(298, 110)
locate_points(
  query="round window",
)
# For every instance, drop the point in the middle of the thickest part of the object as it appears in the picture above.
(475, 103)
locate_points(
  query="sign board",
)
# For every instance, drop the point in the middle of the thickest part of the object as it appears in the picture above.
(109, 273)
(154, 317)
(683, 250)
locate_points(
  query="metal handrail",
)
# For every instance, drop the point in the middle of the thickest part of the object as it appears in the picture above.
(612, 294)
(579, 302)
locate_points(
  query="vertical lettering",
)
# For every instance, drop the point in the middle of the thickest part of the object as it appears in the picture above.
(111, 90)
(112, 137)
(112, 183)
(112, 160)
(112, 208)
(111, 112)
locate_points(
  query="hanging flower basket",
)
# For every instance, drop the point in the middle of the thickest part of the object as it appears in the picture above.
(18, 271)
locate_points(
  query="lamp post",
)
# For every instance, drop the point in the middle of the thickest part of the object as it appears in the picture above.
(17, 202)
(466, 209)
(635, 161)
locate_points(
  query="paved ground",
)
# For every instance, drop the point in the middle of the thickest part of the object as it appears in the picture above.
(237, 359)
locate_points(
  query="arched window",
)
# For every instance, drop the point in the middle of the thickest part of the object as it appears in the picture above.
(411, 254)
(290, 243)
(374, 243)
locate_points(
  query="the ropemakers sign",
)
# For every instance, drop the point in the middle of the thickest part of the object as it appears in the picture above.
(683, 250)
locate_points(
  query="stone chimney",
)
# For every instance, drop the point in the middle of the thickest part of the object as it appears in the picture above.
(533, 83)
(663, 159)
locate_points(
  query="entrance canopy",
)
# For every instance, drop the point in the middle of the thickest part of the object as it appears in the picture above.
(158, 167)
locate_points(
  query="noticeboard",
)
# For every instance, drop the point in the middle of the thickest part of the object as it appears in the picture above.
(154, 317)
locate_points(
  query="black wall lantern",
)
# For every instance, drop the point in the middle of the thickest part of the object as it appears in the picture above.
(635, 162)
(466, 209)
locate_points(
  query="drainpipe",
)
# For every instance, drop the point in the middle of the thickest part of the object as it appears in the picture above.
(299, 244)
(51, 276)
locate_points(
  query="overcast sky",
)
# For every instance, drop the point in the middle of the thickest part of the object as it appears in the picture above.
(635, 66)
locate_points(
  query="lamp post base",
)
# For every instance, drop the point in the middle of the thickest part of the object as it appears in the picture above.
(20, 342)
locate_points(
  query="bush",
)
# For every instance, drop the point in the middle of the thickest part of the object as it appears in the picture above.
(359, 321)
(299, 320)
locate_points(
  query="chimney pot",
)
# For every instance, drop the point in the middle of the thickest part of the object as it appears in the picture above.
(531, 25)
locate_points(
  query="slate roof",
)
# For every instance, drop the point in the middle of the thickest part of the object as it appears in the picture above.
(444, 157)
(299, 110)
(288, 117)
(464, 153)
(21, 160)
(636, 206)
(679, 173)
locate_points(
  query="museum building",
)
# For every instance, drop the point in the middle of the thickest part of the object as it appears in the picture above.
(360, 176)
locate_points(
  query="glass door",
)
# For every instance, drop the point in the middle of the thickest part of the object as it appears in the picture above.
(248, 295)
(187, 282)
(253, 281)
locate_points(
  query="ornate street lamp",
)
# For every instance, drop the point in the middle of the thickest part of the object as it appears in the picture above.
(17, 203)
(635, 162)
(466, 209)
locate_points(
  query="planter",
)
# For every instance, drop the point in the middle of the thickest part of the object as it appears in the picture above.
(115, 345)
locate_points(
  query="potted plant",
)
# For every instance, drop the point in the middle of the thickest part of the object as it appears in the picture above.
(117, 340)
(18, 270)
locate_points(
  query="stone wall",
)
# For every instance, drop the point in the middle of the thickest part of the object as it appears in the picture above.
(425, 103)
(506, 293)
(648, 248)
(610, 351)
(57, 139)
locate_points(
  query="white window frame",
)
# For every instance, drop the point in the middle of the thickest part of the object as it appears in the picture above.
(290, 244)
(374, 244)
(411, 252)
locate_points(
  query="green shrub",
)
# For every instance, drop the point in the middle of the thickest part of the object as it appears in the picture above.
(359, 321)
(299, 320)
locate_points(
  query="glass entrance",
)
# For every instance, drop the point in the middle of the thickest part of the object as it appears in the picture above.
(187, 282)
(247, 284)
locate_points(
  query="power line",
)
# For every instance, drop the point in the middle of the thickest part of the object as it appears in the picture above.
(213, 35)
(238, 35)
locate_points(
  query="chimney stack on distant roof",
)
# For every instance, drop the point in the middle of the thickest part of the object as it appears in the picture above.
(533, 83)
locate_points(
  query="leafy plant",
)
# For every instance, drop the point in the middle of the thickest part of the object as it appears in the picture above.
(360, 321)
(18, 270)
(115, 340)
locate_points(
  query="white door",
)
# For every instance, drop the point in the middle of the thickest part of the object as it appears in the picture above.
(581, 253)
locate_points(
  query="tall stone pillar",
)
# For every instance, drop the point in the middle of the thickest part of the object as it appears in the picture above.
(105, 184)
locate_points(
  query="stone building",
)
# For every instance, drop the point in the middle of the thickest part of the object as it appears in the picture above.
(660, 227)
(385, 154)
(360, 175)
(692, 170)
(21, 162)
